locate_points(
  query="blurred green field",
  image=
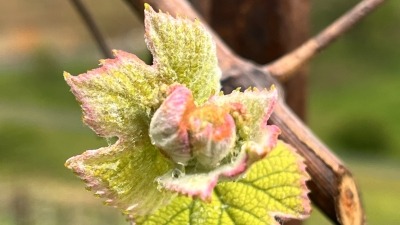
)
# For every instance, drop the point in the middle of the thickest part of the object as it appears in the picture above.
(354, 106)
(354, 92)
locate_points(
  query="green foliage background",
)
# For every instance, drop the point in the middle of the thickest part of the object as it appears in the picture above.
(354, 106)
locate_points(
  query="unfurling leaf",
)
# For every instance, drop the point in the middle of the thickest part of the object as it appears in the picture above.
(202, 140)
(119, 98)
(274, 187)
(183, 52)
(185, 153)
(168, 129)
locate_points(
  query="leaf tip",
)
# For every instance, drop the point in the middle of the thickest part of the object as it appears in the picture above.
(147, 6)
(148, 9)
(67, 76)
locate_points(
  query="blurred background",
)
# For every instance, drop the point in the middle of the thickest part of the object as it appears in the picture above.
(353, 105)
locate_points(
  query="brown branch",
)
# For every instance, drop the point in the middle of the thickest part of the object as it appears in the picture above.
(333, 188)
(92, 27)
(285, 67)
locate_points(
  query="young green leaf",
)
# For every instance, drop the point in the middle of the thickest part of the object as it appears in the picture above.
(124, 174)
(183, 52)
(178, 140)
(273, 188)
(119, 98)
